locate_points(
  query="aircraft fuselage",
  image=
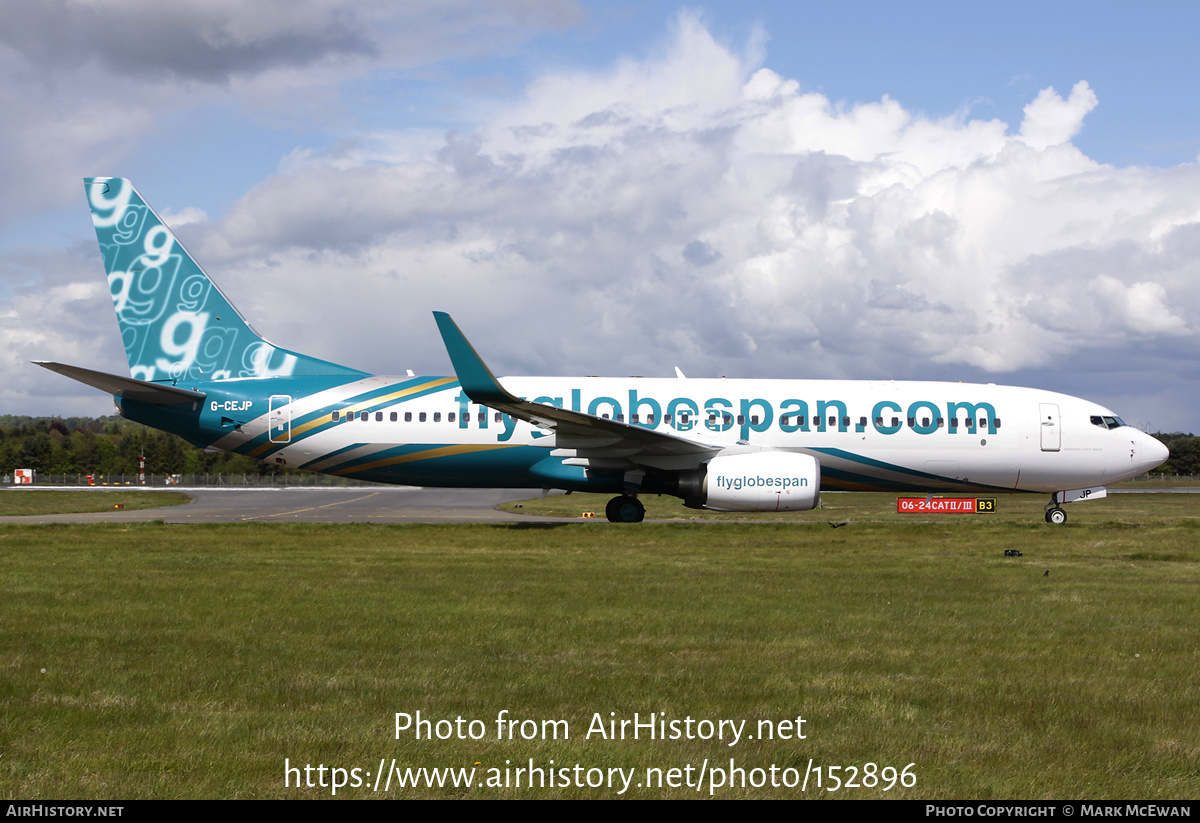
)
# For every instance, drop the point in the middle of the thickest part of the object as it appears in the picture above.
(867, 435)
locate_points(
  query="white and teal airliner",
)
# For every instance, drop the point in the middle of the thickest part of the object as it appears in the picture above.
(199, 370)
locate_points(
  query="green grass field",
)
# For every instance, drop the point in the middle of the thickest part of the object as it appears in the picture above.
(191, 661)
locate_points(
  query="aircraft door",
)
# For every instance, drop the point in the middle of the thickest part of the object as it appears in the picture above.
(280, 418)
(1051, 432)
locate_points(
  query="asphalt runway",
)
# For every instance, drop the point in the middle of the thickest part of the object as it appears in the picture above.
(339, 504)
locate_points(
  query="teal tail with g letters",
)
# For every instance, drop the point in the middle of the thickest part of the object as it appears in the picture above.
(176, 324)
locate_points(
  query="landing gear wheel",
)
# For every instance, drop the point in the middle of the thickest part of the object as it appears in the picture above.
(625, 509)
(610, 509)
(1056, 515)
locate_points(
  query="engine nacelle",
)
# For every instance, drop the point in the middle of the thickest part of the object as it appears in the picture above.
(761, 482)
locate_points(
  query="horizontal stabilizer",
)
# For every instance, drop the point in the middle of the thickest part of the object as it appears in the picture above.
(126, 387)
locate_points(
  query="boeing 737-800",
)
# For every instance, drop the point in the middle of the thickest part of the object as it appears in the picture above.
(199, 370)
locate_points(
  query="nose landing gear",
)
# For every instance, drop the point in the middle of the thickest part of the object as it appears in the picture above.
(1054, 512)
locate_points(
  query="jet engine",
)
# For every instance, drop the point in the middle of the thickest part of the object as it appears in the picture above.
(771, 481)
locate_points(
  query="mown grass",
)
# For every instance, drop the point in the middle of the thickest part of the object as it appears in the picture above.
(14, 502)
(190, 661)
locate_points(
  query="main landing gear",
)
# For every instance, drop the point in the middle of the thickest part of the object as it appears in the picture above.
(625, 509)
(1054, 512)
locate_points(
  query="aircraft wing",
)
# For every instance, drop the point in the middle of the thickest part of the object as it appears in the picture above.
(126, 387)
(586, 434)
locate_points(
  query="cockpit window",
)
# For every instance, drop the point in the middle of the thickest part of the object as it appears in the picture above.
(1106, 422)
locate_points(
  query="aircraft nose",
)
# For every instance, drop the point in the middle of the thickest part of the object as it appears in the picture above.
(1151, 452)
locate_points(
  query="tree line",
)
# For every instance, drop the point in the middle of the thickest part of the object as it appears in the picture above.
(113, 445)
(1185, 453)
(110, 446)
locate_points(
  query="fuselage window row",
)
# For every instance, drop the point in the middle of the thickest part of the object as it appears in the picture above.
(714, 419)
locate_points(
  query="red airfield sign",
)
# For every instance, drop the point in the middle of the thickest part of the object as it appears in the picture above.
(945, 505)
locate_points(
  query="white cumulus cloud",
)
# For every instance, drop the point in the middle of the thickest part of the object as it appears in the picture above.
(1050, 120)
(694, 206)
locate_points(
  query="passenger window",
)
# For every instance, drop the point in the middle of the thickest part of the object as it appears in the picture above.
(924, 422)
(421, 417)
(482, 418)
(862, 421)
(621, 418)
(996, 422)
(633, 418)
(450, 417)
(393, 417)
(338, 416)
(649, 420)
(378, 417)
(846, 422)
(741, 420)
(895, 422)
(912, 421)
(408, 417)
(497, 417)
(437, 417)
(878, 421)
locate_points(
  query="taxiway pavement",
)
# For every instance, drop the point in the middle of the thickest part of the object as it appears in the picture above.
(313, 504)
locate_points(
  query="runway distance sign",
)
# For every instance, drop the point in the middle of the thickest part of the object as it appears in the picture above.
(946, 505)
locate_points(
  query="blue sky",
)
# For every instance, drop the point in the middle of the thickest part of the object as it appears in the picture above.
(1003, 193)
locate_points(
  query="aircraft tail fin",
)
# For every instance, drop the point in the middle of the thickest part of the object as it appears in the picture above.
(175, 323)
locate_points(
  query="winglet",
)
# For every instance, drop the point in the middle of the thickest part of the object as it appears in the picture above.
(585, 431)
(473, 374)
